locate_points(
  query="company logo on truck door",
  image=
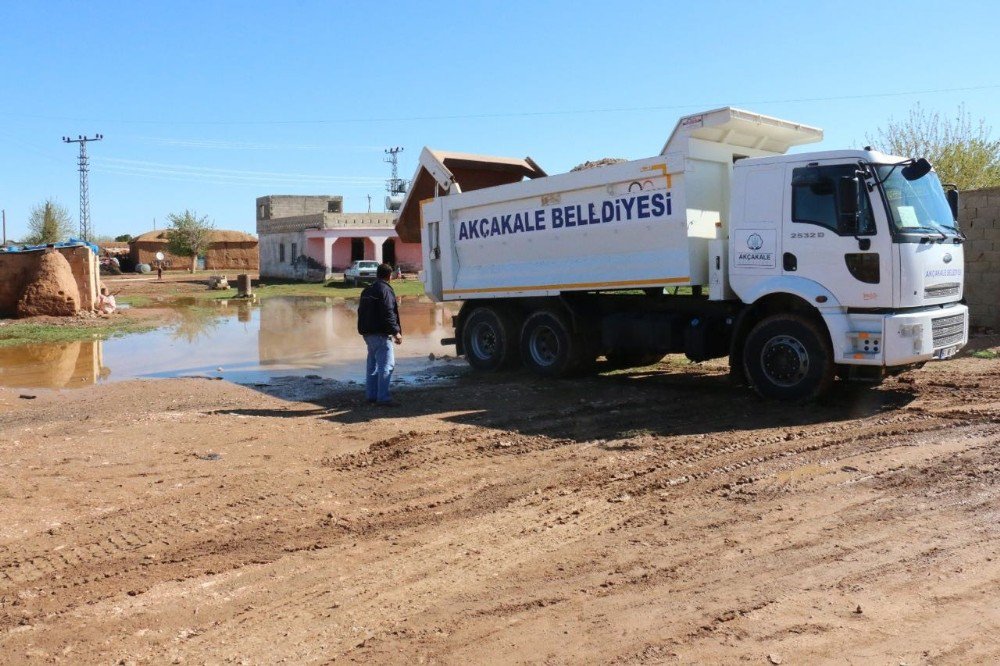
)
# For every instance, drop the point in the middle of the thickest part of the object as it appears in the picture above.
(629, 208)
(756, 249)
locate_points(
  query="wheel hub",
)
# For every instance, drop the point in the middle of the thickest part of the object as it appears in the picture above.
(784, 360)
(484, 341)
(544, 346)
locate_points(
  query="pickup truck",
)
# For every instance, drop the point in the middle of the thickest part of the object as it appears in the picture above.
(360, 272)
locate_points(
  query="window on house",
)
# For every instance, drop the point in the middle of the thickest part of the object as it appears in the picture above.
(262, 212)
(334, 206)
(281, 253)
(295, 251)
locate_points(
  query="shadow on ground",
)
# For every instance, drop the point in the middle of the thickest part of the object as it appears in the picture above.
(661, 400)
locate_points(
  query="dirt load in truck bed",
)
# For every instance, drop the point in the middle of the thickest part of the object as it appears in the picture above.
(656, 516)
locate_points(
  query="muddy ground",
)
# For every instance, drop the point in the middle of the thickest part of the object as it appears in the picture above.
(656, 516)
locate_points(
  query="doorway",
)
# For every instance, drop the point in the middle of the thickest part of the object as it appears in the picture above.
(389, 252)
(357, 249)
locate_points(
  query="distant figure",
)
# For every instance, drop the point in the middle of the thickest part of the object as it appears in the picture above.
(397, 273)
(378, 322)
(106, 302)
(159, 270)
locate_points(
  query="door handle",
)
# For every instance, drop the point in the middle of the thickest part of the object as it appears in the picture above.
(789, 262)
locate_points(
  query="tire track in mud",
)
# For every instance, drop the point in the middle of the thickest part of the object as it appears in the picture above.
(399, 455)
(145, 544)
(521, 495)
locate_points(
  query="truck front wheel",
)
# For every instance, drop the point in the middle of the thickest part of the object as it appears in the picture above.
(489, 337)
(787, 357)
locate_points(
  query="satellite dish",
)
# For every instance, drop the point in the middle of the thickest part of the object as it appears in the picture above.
(159, 256)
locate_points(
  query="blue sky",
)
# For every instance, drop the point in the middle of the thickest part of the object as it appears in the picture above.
(208, 105)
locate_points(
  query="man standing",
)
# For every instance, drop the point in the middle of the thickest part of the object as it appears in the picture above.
(378, 322)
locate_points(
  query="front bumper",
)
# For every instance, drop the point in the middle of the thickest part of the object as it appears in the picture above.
(902, 338)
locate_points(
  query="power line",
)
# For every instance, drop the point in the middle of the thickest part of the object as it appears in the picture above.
(84, 185)
(122, 163)
(221, 179)
(518, 114)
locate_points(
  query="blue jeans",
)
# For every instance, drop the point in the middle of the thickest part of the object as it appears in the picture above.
(381, 361)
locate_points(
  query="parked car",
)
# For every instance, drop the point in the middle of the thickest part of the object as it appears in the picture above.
(360, 272)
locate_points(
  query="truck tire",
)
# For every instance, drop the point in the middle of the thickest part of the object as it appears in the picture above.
(489, 337)
(787, 357)
(549, 347)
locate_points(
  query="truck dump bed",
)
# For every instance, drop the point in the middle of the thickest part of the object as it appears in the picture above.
(635, 225)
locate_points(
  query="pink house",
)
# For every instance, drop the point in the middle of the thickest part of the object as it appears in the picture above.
(310, 238)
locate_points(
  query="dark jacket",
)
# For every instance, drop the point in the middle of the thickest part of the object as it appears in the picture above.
(378, 313)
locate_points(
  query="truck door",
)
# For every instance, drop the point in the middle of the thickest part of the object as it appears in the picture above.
(821, 241)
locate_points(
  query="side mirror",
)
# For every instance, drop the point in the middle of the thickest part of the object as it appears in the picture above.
(952, 196)
(847, 205)
(916, 169)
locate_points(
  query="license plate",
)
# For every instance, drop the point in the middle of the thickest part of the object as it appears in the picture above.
(947, 352)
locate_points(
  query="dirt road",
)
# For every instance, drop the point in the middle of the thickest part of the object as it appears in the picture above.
(657, 516)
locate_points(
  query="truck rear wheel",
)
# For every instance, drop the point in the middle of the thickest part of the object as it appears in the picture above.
(787, 357)
(489, 337)
(548, 346)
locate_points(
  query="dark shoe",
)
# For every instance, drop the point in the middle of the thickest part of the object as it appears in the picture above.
(388, 403)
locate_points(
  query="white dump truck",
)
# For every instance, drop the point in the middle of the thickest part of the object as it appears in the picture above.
(799, 268)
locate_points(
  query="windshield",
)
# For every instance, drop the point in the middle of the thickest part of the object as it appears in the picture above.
(367, 264)
(916, 205)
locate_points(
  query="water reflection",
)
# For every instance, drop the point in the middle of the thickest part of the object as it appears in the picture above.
(195, 323)
(295, 332)
(56, 365)
(236, 341)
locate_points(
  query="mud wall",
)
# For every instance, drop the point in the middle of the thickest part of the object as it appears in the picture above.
(220, 255)
(144, 252)
(15, 271)
(16, 268)
(239, 255)
(979, 219)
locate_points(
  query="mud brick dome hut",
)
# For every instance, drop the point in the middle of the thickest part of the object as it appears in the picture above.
(226, 250)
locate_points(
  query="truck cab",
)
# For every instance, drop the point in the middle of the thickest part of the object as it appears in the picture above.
(869, 240)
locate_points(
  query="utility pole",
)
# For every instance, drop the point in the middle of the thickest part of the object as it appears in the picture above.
(4, 226)
(369, 203)
(395, 186)
(84, 186)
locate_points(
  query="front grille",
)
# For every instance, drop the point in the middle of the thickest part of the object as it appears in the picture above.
(939, 290)
(948, 330)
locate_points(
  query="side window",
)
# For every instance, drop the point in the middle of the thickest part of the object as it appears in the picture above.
(281, 253)
(815, 200)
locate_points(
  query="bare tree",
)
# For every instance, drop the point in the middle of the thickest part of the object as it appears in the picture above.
(188, 235)
(963, 152)
(49, 223)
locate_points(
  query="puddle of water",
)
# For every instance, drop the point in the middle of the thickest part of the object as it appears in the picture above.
(251, 344)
